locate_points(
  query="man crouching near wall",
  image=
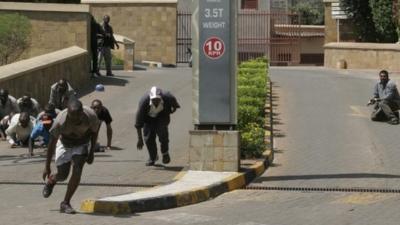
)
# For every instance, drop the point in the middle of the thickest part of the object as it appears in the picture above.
(73, 138)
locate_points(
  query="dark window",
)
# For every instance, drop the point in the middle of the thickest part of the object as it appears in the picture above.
(249, 4)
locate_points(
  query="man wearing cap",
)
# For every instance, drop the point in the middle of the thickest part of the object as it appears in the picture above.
(73, 137)
(8, 104)
(20, 128)
(60, 93)
(153, 115)
(41, 129)
(29, 105)
(104, 115)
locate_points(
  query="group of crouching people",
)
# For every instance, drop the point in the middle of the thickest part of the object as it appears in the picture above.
(25, 124)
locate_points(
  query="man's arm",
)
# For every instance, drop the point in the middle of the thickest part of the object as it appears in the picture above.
(93, 141)
(392, 91)
(109, 134)
(140, 138)
(50, 152)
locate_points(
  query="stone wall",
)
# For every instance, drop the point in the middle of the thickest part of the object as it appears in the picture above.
(152, 24)
(363, 55)
(54, 26)
(36, 75)
(212, 150)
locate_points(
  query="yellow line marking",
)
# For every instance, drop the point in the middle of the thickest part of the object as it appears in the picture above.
(357, 112)
(363, 198)
(179, 175)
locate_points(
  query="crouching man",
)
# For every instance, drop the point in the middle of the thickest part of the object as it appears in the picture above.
(73, 137)
(386, 100)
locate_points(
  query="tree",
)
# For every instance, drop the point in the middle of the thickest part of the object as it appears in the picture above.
(311, 14)
(15, 32)
(384, 20)
(373, 20)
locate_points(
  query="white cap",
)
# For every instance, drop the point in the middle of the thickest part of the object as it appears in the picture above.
(155, 92)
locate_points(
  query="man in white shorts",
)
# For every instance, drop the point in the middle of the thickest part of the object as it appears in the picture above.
(73, 137)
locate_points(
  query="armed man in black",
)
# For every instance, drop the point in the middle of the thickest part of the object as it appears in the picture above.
(153, 115)
(386, 100)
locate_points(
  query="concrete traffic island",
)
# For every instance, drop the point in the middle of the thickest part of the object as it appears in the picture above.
(192, 187)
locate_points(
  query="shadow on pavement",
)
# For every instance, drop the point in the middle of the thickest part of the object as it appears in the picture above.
(326, 176)
(106, 81)
(169, 168)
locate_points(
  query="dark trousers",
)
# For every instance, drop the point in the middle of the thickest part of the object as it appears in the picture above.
(150, 132)
(384, 110)
(95, 55)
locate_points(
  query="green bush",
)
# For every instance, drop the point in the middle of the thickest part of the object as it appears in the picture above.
(249, 114)
(256, 81)
(15, 33)
(252, 92)
(251, 101)
(252, 142)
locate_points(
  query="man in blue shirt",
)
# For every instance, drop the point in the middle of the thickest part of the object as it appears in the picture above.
(386, 99)
(41, 129)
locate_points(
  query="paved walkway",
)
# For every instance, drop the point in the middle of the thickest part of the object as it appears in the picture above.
(324, 135)
(122, 165)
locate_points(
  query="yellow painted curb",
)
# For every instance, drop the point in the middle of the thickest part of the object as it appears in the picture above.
(179, 175)
(192, 196)
(235, 181)
(87, 206)
(259, 168)
(91, 206)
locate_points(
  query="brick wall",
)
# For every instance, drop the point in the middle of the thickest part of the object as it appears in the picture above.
(151, 25)
(363, 55)
(54, 26)
(36, 75)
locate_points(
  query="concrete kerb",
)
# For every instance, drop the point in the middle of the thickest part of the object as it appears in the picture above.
(187, 197)
(192, 196)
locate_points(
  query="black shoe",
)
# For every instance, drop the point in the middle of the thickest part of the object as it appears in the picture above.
(150, 162)
(110, 75)
(393, 121)
(66, 208)
(47, 189)
(166, 159)
(97, 73)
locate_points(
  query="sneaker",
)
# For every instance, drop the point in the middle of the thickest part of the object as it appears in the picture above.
(166, 159)
(47, 189)
(393, 121)
(150, 162)
(65, 207)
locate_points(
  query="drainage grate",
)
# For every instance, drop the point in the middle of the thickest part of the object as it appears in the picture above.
(322, 189)
(83, 184)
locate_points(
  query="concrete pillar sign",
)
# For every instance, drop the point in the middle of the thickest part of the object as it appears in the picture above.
(216, 45)
(214, 143)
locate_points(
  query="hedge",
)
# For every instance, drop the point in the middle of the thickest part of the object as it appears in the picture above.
(252, 93)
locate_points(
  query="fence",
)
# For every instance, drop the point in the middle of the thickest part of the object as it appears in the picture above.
(260, 33)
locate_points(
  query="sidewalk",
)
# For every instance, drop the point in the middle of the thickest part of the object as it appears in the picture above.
(189, 188)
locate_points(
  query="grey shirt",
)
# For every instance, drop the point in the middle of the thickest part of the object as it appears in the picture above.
(10, 106)
(388, 92)
(72, 135)
(60, 100)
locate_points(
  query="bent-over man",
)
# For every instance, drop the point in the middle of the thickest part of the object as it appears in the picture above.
(153, 115)
(103, 115)
(72, 138)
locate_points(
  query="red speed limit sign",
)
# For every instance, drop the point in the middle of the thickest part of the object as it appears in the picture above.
(214, 48)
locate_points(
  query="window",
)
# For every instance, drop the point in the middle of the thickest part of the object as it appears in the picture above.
(249, 4)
